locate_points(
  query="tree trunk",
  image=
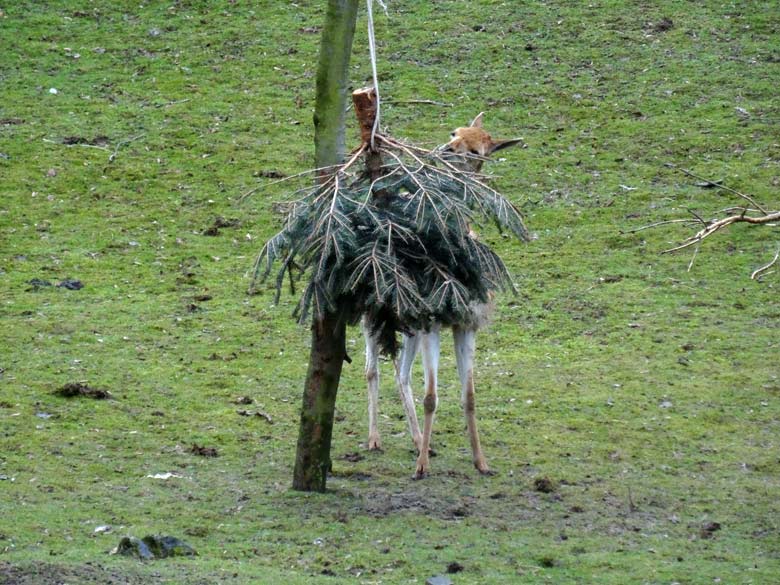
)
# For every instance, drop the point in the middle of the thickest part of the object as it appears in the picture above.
(328, 350)
(332, 82)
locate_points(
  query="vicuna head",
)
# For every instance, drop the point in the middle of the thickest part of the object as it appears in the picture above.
(473, 145)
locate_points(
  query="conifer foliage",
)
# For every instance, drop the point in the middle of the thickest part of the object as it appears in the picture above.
(394, 244)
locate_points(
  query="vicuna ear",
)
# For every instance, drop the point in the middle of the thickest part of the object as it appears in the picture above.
(502, 144)
(477, 122)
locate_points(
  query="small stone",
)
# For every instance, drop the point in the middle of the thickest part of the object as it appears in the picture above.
(166, 475)
(438, 580)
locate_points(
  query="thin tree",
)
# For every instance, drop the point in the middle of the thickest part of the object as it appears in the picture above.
(328, 330)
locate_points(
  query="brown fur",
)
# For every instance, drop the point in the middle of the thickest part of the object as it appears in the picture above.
(475, 144)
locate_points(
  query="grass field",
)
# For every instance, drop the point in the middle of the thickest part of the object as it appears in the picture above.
(647, 393)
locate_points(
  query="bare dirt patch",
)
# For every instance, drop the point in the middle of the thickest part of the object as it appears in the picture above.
(51, 574)
(39, 573)
(382, 503)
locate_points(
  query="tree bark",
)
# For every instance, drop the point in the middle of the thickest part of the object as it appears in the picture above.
(365, 102)
(332, 82)
(328, 349)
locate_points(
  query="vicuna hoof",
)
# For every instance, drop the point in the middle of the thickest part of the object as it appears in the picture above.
(419, 474)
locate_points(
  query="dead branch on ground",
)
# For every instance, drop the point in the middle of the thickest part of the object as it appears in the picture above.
(755, 215)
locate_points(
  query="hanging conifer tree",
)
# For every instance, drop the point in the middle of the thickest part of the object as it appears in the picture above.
(392, 242)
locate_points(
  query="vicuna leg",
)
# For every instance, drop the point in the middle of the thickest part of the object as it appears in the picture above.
(403, 380)
(372, 378)
(465, 341)
(430, 352)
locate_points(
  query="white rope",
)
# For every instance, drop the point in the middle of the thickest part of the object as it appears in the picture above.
(372, 51)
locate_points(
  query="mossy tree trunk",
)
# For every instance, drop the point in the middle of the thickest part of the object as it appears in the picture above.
(332, 82)
(328, 350)
(328, 334)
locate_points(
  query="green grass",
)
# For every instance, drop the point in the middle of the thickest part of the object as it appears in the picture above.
(648, 393)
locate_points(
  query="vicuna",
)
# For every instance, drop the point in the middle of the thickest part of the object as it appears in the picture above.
(470, 146)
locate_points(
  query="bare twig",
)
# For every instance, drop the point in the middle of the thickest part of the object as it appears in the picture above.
(631, 505)
(741, 209)
(172, 103)
(714, 226)
(693, 258)
(719, 185)
(329, 170)
(759, 272)
(699, 218)
(83, 144)
(354, 157)
(282, 180)
(120, 144)
(420, 102)
(657, 224)
(112, 156)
